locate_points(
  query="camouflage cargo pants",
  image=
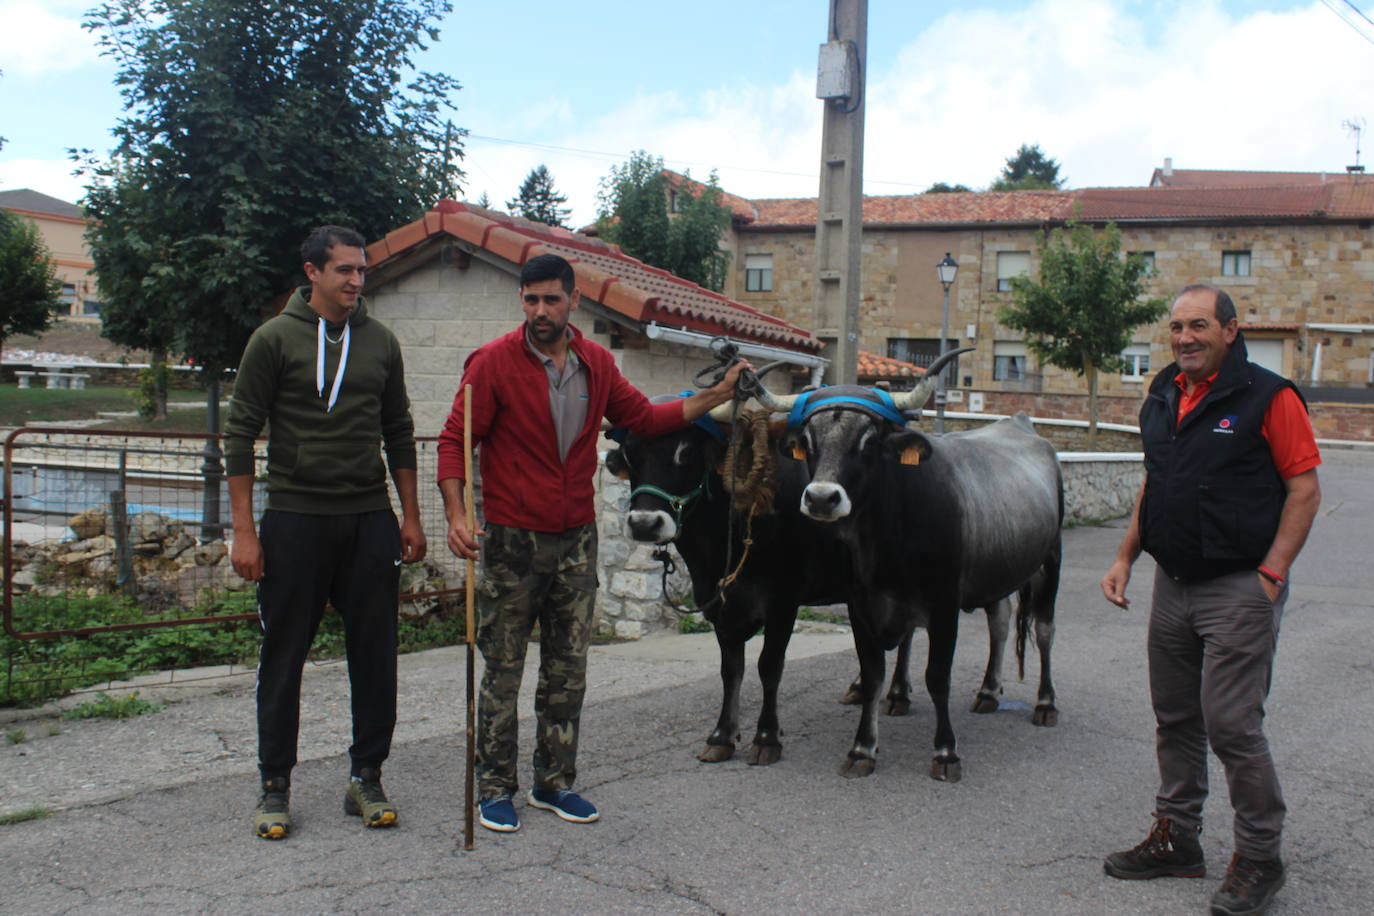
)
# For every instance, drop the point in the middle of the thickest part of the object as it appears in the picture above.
(530, 576)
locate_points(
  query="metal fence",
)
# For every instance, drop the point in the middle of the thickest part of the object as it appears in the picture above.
(116, 560)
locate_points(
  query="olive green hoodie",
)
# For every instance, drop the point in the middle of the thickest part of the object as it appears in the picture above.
(323, 449)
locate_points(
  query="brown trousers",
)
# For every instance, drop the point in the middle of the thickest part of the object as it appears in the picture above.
(1211, 651)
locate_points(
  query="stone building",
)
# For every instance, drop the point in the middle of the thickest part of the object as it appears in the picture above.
(1296, 252)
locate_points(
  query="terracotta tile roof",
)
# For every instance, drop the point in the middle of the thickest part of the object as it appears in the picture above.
(605, 274)
(1333, 200)
(873, 366)
(740, 208)
(956, 207)
(1222, 178)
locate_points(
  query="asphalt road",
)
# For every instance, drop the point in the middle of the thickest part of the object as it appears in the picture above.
(155, 811)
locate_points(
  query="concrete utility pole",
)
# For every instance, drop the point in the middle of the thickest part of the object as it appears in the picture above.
(841, 82)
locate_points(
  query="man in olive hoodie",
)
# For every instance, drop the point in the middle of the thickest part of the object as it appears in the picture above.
(329, 383)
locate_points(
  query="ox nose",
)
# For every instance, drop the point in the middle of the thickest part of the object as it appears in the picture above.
(651, 527)
(825, 501)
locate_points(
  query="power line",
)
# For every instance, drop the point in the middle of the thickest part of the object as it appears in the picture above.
(605, 156)
(1353, 16)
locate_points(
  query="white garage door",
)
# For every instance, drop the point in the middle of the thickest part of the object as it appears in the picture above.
(1268, 353)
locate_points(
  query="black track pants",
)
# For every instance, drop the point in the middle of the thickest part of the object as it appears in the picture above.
(353, 563)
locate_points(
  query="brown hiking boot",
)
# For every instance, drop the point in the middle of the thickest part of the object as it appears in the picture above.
(1170, 850)
(1249, 887)
(272, 819)
(366, 799)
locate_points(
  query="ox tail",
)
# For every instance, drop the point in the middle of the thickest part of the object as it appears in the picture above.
(1025, 597)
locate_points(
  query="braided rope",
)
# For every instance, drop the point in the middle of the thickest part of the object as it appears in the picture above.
(749, 471)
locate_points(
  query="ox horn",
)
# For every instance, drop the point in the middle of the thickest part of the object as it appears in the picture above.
(910, 400)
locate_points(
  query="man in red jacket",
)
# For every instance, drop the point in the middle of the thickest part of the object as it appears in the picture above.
(538, 396)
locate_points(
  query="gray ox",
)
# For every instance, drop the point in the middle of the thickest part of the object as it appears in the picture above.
(933, 524)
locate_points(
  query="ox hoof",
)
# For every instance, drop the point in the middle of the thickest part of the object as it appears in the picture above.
(984, 703)
(857, 769)
(852, 697)
(716, 753)
(898, 706)
(946, 770)
(762, 755)
(1045, 715)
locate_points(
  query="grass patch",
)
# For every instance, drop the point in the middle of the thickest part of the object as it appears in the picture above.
(16, 736)
(27, 814)
(806, 613)
(694, 623)
(22, 406)
(35, 670)
(105, 706)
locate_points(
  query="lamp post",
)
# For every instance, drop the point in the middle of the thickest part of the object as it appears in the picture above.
(946, 270)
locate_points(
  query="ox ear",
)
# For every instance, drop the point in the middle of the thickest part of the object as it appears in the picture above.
(908, 446)
(617, 465)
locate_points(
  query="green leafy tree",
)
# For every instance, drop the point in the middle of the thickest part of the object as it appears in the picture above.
(246, 125)
(1028, 170)
(941, 188)
(1080, 314)
(538, 200)
(30, 293)
(633, 213)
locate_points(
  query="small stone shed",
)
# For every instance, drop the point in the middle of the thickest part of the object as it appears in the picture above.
(448, 283)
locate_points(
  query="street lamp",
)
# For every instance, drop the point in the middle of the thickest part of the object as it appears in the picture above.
(946, 270)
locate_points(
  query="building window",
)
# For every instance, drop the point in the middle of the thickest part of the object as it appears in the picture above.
(1235, 263)
(922, 351)
(1148, 259)
(1137, 360)
(69, 293)
(675, 202)
(1011, 264)
(1009, 361)
(758, 273)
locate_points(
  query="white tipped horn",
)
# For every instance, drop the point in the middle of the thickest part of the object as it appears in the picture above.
(777, 403)
(914, 398)
(722, 413)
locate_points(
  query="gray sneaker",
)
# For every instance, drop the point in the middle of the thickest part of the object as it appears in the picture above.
(366, 799)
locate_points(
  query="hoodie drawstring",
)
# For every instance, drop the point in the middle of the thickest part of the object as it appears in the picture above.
(319, 365)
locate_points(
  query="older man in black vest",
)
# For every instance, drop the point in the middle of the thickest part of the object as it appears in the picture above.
(1229, 496)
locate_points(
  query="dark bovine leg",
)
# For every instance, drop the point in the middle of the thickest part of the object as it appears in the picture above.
(863, 756)
(1042, 605)
(943, 631)
(767, 746)
(899, 692)
(720, 745)
(999, 618)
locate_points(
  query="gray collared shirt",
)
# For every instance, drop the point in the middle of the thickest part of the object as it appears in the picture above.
(567, 395)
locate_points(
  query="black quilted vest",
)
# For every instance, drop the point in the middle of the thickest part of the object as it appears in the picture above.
(1212, 494)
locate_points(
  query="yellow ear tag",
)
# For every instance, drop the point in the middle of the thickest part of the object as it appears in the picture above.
(911, 455)
(798, 453)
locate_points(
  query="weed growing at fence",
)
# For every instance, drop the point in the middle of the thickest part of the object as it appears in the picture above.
(27, 814)
(105, 706)
(693, 623)
(35, 670)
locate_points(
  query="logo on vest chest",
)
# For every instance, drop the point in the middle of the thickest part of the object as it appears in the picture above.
(1226, 425)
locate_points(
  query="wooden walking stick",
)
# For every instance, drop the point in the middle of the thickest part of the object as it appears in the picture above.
(470, 627)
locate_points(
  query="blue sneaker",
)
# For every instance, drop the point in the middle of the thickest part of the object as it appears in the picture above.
(566, 803)
(498, 814)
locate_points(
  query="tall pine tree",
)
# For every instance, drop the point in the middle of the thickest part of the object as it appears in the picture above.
(538, 200)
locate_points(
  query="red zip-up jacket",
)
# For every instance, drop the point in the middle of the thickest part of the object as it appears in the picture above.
(524, 484)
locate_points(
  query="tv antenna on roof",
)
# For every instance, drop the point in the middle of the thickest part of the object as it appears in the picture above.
(1355, 126)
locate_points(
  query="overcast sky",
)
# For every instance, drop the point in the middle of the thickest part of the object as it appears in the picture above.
(1109, 88)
